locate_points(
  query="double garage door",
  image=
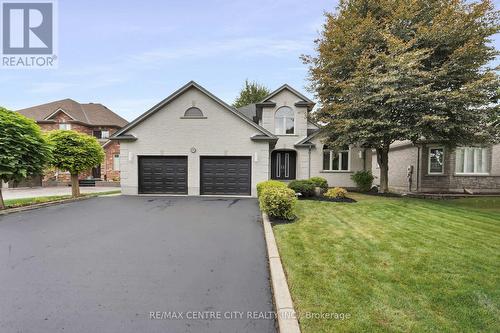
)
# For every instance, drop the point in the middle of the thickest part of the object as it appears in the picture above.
(219, 175)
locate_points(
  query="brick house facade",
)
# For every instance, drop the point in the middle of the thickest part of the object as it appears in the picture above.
(472, 169)
(92, 119)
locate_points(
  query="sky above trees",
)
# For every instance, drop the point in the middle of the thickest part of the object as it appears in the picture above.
(129, 55)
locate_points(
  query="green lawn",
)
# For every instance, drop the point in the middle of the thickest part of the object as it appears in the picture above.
(395, 264)
(11, 203)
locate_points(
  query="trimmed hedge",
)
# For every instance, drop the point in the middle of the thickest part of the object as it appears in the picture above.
(336, 193)
(364, 180)
(304, 187)
(319, 182)
(278, 202)
(269, 183)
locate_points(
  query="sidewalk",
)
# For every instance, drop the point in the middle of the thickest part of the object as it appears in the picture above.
(18, 193)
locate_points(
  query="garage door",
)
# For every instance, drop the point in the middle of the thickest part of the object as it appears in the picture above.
(163, 174)
(225, 175)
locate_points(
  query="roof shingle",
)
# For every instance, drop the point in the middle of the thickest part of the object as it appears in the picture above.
(92, 113)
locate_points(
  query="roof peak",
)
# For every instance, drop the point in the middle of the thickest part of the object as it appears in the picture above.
(179, 92)
(291, 89)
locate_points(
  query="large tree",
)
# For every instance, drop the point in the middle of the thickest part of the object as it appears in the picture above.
(252, 92)
(74, 152)
(389, 70)
(23, 149)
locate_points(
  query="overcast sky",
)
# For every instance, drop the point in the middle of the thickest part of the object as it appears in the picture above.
(129, 55)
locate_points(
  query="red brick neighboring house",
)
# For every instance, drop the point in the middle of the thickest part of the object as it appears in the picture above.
(93, 119)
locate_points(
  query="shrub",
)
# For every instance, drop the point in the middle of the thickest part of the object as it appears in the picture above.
(268, 184)
(364, 180)
(305, 187)
(319, 182)
(336, 193)
(278, 202)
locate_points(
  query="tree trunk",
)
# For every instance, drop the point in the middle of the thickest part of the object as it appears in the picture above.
(75, 186)
(2, 204)
(383, 162)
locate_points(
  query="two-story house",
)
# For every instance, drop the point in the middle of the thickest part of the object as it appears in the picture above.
(194, 143)
(92, 119)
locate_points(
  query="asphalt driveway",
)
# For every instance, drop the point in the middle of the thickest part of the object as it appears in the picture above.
(105, 264)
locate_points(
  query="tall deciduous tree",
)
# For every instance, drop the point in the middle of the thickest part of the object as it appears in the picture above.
(414, 70)
(252, 92)
(23, 149)
(74, 152)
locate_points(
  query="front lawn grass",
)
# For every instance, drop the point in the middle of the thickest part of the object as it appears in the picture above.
(13, 203)
(395, 264)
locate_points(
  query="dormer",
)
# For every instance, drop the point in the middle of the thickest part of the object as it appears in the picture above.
(284, 112)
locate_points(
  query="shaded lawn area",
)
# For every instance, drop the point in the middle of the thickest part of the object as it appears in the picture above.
(12, 203)
(395, 264)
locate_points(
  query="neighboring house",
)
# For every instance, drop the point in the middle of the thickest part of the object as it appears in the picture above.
(92, 119)
(437, 168)
(193, 143)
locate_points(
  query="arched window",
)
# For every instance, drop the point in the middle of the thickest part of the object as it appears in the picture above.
(193, 113)
(284, 121)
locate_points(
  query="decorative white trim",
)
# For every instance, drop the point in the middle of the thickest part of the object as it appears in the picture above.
(483, 157)
(339, 153)
(56, 111)
(65, 125)
(429, 161)
(284, 119)
(287, 165)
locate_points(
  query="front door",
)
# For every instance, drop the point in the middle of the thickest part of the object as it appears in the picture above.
(283, 164)
(96, 172)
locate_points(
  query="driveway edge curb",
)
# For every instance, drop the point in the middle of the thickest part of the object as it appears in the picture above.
(41, 205)
(287, 317)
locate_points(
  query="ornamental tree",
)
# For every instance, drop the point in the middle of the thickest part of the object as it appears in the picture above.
(74, 152)
(23, 149)
(252, 92)
(406, 70)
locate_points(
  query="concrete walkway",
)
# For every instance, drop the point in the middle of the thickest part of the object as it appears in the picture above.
(18, 193)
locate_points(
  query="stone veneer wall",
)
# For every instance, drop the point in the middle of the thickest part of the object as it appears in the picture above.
(402, 156)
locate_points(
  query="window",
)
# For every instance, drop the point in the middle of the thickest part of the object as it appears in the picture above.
(99, 134)
(335, 161)
(193, 113)
(471, 160)
(284, 121)
(116, 162)
(436, 160)
(66, 127)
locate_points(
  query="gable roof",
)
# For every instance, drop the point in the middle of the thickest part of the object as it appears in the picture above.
(249, 111)
(307, 140)
(94, 114)
(177, 93)
(295, 92)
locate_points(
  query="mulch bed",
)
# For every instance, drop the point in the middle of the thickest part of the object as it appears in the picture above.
(348, 200)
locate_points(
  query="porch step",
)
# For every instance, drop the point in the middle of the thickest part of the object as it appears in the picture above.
(87, 182)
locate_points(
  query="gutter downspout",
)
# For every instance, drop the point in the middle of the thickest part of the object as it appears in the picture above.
(309, 164)
(418, 167)
(364, 159)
